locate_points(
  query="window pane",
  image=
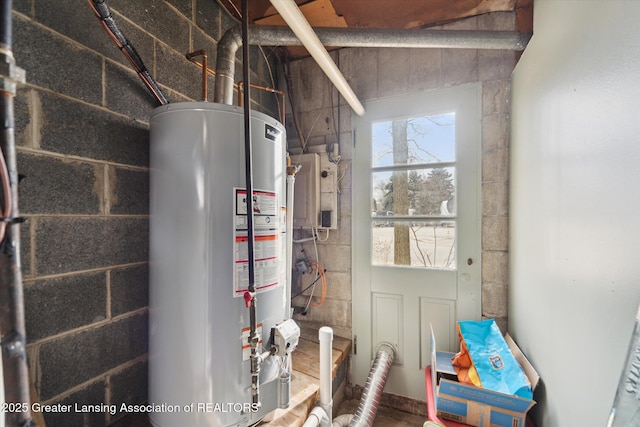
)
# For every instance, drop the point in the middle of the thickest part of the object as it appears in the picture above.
(414, 192)
(414, 243)
(419, 140)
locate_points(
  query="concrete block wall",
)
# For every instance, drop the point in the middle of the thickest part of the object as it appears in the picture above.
(82, 131)
(376, 73)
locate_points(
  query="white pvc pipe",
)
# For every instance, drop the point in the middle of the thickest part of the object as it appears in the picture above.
(325, 335)
(342, 420)
(316, 417)
(291, 179)
(2, 417)
(289, 11)
(287, 374)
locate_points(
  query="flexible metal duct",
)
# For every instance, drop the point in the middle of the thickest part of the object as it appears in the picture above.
(368, 405)
(366, 412)
(356, 37)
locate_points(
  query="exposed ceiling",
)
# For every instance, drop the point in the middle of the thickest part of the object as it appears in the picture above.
(393, 14)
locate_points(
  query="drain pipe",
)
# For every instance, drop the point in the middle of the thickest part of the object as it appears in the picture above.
(322, 413)
(356, 37)
(12, 324)
(325, 336)
(371, 394)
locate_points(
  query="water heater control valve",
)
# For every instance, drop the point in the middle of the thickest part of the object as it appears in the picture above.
(285, 337)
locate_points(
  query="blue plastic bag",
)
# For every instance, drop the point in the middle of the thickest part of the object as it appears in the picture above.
(486, 361)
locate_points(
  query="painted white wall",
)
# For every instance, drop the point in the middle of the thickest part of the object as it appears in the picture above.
(575, 203)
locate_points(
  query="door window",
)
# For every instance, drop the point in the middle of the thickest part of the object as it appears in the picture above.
(413, 181)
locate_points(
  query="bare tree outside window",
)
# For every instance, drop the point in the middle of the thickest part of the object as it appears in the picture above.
(426, 192)
(401, 244)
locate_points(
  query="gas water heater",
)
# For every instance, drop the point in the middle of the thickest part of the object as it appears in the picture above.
(199, 367)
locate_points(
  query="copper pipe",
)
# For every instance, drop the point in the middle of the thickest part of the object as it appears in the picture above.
(202, 53)
(240, 86)
(103, 12)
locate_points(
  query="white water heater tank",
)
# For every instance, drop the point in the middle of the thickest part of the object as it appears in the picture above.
(199, 368)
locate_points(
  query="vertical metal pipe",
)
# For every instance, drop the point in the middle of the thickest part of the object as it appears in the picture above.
(12, 324)
(253, 334)
(205, 68)
(5, 21)
(247, 144)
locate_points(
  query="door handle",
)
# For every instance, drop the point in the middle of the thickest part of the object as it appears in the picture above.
(469, 261)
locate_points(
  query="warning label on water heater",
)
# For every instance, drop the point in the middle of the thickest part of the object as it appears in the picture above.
(266, 236)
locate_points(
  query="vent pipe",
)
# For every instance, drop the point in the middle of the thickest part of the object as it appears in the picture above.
(228, 45)
(366, 412)
(416, 38)
(356, 37)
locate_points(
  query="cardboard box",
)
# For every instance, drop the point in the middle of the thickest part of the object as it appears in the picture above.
(473, 405)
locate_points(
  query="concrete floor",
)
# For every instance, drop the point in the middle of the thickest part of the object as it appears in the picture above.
(306, 383)
(385, 417)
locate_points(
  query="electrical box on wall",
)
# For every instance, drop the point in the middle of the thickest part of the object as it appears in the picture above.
(315, 203)
(306, 194)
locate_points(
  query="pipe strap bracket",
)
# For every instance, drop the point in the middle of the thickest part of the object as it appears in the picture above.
(13, 345)
(13, 220)
(10, 74)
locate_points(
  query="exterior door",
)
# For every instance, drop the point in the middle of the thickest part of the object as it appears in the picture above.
(416, 228)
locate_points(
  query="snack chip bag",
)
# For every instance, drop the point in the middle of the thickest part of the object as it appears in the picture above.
(486, 361)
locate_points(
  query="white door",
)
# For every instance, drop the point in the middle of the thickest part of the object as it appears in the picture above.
(416, 228)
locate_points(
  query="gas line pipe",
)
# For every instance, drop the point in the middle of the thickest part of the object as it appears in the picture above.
(15, 381)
